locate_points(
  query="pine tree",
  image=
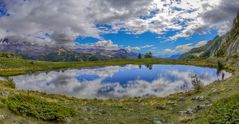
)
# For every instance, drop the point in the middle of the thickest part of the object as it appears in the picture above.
(139, 56)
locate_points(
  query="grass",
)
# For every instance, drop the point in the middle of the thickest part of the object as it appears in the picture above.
(17, 106)
(39, 107)
(31, 105)
(8, 83)
(224, 111)
(16, 66)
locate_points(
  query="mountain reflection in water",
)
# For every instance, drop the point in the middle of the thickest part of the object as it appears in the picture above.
(117, 81)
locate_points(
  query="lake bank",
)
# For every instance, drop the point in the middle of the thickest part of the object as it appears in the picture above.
(118, 81)
(12, 66)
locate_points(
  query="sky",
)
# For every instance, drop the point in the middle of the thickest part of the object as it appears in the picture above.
(164, 27)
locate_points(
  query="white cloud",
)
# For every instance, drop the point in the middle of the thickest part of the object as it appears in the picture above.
(129, 48)
(147, 46)
(169, 51)
(70, 18)
(201, 43)
(71, 83)
(208, 14)
(185, 48)
(106, 45)
(137, 48)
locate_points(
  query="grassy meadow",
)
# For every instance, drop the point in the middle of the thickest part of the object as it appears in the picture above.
(16, 66)
(214, 104)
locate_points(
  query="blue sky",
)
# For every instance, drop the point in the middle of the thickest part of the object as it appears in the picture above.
(159, 42)
(164, 27)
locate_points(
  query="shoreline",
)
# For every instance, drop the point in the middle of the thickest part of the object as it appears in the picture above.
(28, 67)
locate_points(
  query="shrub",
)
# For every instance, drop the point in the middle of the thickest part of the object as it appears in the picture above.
(148, 55)
(220, 67)
(196, 82)
(139, 56)
(29, 105)
(8, 83)
(225, 111)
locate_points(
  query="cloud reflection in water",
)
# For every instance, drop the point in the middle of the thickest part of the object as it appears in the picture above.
(117, 81)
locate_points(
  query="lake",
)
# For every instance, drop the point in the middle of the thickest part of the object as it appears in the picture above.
(117, 81)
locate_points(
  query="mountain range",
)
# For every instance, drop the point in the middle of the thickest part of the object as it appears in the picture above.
(35, 51)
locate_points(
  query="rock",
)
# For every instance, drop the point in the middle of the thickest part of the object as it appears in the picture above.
(198, 98)
(181, 98)
(173, 103)
(2, 117)
(160, 107)
(187, 112)
(157, 122)
(201, 107)
(103, 112)
(89, 109)
(214, 90)
(183, 113)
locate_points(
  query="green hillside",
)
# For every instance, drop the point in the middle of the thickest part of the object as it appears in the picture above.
(225, 46)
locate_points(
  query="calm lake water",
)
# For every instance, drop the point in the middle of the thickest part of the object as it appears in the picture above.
(117, 81)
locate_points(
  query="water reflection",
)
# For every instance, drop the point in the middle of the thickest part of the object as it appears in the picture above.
(117, 81)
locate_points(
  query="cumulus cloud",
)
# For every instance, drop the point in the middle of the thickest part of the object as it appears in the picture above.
(185, 48)
(61, 38)
(222, 15)
(147, 46)
(71, 18)
(109, 45)
(129, 48)
(201, 43)
(70, 82)
(106, 44)
(169, 51)
(217, 14)
(137, 48)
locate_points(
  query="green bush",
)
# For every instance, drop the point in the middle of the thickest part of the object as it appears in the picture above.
(9, 55)
(8, 83)
(148, 55)
(225, 111)
(29, 105)
(197, 84)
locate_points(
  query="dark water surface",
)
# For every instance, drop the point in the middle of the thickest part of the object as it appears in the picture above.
(117, 81)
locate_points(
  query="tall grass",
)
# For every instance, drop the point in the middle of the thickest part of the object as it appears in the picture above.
(30, 105)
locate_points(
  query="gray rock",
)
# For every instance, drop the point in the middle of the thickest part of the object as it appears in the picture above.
(198, 98)
(181, 98)
(187, 112)
(201, 107)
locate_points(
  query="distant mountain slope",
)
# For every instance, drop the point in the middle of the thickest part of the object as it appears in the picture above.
(222, 46)
(176, 56)
(36, 51)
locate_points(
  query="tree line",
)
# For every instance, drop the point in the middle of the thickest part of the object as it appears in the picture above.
(146, 55)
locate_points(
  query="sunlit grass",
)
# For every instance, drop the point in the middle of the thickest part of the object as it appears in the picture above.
(16, 66)
(31, 105)
(24, 106)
